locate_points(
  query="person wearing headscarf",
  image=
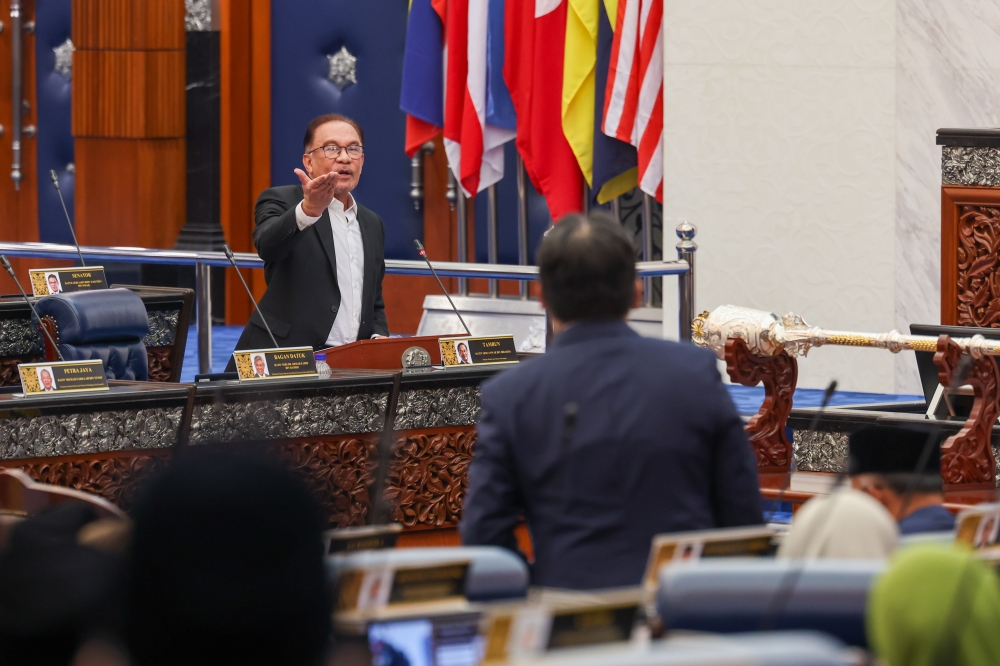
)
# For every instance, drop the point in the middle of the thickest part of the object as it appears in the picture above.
(227, 567)
(935, 605)
(901, 468)
(847, 524)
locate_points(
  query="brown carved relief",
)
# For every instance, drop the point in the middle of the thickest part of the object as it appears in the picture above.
(967, 458)
(340, 471)
(428, 476)
(779, 374)
(8, 368)
(158, 360)
(978, 263)
(114, 478)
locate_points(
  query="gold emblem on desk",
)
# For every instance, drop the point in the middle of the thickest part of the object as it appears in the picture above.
(416, 357)
(48, 281)
(278, 363)
(490, 350)
(39, 379)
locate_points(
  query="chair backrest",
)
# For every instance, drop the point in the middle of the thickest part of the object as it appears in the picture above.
(494, 573)
(20, 495)
(740, 595)
(108, 324)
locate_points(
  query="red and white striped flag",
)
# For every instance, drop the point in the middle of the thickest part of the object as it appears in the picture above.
(633, 100)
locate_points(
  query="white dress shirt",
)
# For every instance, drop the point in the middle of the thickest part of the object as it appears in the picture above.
(350, 254)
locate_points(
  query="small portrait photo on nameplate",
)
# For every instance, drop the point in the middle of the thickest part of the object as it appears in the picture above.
(461, 352)
(259, 364)
(979, 527)
(48, 281)
(39, 379)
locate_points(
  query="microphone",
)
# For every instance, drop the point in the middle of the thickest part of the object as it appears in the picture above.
(69, 223)
(10, 271)
(423, 253)
(827, 396)
(232, 260)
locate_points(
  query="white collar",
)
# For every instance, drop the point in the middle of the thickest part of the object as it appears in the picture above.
(337, 206)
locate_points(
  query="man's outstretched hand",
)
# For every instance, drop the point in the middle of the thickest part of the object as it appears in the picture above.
(317, 192)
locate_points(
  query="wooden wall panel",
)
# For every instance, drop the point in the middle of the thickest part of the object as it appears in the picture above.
(970, 256)
(129, 121)
(128, 24)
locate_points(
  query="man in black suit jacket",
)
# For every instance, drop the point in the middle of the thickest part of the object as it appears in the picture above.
(609, 438)
(310, 299)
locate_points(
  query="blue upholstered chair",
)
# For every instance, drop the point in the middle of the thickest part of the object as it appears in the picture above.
(728, 596)
(108, 324)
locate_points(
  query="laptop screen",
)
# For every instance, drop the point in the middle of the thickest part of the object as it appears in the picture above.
(925, 360)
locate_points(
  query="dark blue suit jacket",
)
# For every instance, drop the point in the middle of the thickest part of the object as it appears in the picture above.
(658, 447)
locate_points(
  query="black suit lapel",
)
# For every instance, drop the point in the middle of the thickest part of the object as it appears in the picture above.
(325, 232)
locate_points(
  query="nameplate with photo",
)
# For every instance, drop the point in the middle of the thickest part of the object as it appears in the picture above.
(465, 351)
(41, 379)
(48, 281)
(280, 363)
(368, 589)
(978, 527)
(685, 547)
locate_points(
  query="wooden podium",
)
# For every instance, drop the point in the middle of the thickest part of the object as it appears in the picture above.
(381, 354)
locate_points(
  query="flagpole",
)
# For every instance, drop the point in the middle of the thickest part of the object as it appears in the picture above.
(492, 237)
(522, 224)
(647, 247)
(461, 237)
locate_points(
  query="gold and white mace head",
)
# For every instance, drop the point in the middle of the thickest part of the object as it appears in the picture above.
(766, 334)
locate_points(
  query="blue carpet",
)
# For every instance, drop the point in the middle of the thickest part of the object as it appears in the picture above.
(747, 399)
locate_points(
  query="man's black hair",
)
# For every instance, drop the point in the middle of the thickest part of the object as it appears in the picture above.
(587, 268)
(318, 121)
(918, 484)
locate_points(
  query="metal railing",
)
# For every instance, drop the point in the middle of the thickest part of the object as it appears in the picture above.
(683, 267)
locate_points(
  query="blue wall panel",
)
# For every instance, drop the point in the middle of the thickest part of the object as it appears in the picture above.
(303, 33)
(54, 138)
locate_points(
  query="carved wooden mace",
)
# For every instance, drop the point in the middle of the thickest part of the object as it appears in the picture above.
(761, 347)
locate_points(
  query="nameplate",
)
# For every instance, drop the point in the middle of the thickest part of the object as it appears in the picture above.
(685, 547)
(48, 281)
(363, 537)
(63, 377)
(369, 589)
(459, 352)
(281, 363)
(977, 527)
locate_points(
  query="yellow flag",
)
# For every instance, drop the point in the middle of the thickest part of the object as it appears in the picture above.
(579, 60)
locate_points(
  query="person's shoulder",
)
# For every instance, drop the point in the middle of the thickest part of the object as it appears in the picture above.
(685, 354)
(367, 214)
(290, 194)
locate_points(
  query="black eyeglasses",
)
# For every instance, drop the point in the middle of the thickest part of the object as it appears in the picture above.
(332, 151)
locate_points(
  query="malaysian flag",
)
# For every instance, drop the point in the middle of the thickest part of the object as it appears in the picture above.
(633, 101)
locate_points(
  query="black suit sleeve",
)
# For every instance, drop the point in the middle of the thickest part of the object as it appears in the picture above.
(493, 503)
(276, 231)
(735, 494)
(380, 324)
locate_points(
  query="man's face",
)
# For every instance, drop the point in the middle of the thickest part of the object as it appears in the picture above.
(53, 283)
(258, 365)
(46, 380)
(463, 351)
(335, 133)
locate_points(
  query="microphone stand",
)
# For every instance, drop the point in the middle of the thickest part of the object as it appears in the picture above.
(232, 260)
(69, 223)
(423, 253)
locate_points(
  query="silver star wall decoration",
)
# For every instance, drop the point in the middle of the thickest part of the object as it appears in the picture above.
(64, 58)
(343, 68)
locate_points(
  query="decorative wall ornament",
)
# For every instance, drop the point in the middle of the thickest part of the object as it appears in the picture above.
(294, 417)
(198, 15)
(430, 487)
(779, 374)
(162, 328)
(340, 471)
(18, 338)
(66, 434)
(820, 451)
(114, 479)
(343, 68)
(978, 263)
(430, 408)
(64, 59)
(970, 166)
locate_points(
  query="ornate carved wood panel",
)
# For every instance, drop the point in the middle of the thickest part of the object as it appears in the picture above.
(429, 473)
(967, 458)
(8, 368)
(766, 429)
(970, 256)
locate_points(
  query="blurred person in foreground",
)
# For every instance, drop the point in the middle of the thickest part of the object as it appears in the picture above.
(609, 438)
(935, 605)
(846, 524)
(58, 591)
(227, 567)
(884, 463)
